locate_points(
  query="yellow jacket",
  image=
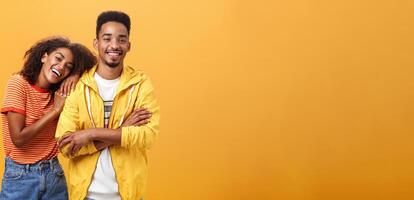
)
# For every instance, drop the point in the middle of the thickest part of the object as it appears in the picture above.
(129, 159)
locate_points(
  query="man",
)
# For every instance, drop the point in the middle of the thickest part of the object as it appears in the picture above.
(102, 128)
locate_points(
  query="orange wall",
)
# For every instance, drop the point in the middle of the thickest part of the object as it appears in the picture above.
(260, 100)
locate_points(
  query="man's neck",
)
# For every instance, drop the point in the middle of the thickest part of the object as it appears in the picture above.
(109, 73)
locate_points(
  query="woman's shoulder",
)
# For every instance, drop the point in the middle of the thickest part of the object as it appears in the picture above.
(17, 79)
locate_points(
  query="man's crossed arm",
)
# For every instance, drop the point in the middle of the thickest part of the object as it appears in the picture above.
(101, 137)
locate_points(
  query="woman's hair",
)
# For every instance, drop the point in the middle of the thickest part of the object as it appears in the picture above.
(83, 59)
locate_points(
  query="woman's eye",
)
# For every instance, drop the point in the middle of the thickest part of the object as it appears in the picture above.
(69, 67)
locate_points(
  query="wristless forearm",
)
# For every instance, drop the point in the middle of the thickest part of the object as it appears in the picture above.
(106, 135)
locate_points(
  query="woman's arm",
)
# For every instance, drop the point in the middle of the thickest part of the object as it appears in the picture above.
(22, 134)
(68, 85)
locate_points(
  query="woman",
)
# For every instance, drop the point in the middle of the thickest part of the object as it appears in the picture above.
(33, 101)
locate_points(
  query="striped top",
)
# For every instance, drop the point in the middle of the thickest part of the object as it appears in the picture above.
(107, 111)
(34, 103)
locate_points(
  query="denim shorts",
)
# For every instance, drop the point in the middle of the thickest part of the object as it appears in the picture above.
(41, 180)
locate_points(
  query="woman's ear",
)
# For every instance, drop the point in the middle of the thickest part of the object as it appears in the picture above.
(44, 57)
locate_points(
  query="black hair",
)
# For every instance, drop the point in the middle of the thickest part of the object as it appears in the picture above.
(112, 16)
(33, 57)
(83, 59)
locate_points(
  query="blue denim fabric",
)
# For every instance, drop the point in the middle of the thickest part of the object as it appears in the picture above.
(94, 199)
(42, 180)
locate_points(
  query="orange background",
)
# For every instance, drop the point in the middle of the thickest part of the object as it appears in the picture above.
(260, 100)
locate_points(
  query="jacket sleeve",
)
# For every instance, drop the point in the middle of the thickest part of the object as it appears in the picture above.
(69, 123)
(143, 136)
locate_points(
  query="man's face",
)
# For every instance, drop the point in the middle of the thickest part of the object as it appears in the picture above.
(112, 44)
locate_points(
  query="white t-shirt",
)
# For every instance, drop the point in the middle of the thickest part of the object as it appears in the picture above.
(104, 185)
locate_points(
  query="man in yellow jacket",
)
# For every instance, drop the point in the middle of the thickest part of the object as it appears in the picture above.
(103, 128)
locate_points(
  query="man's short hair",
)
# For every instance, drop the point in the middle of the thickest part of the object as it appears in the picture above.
(112, 16)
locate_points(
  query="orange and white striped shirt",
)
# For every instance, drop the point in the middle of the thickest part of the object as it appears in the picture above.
(34, 103)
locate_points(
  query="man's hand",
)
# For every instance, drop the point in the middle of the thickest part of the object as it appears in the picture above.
(139, 117)
(75, 141)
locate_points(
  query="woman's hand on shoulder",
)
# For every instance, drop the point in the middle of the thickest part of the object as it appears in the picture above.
(68, 85)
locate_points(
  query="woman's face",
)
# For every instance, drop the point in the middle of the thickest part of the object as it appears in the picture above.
(57, 65)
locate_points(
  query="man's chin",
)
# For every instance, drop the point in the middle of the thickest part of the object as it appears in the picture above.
(112, 65)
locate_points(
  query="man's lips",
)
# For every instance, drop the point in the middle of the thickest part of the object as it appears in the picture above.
(114, 53)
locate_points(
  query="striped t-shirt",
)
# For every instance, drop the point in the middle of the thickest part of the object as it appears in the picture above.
(34, 103)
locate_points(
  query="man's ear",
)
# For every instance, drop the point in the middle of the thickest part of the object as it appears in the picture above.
(43, 59)
(129, 46)
(95, 44)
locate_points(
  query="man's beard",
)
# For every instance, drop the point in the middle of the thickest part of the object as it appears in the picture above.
(112, 65)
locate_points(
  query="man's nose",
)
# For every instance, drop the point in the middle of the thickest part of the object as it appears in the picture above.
(114, 43)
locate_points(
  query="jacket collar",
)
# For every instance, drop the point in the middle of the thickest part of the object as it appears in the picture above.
(129, 76)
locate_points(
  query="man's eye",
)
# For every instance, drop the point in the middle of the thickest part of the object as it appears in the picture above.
(58, 58)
